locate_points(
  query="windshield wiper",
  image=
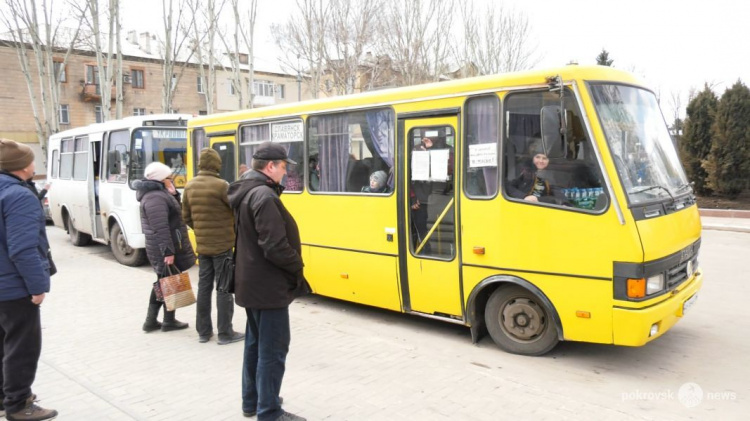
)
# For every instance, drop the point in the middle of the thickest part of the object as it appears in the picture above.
(684, 186)
(653, 188)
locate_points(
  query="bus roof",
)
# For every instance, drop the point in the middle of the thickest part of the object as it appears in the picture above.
(126, 122)
(422, 92)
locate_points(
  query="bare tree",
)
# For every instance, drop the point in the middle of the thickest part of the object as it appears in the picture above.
(496, 40)
(416, 36)
(202, 43)
(44, 38)
(302, 37)
(175, 41)
(350, 32)
(244, 14)
(104, 75)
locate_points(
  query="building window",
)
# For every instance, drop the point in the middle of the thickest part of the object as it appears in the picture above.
(202, 112)
(201, 85)
(98, 113)
(64, 114)
(263, 88)
(136, 79)
(139, 111)
(92, 75)
(174, 82)
(56, 67)
(232, 91)
(280, 91)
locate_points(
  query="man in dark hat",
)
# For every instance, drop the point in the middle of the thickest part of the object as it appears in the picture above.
(24, 281)
(268, 276)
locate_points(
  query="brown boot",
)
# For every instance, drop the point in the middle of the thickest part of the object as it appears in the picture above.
(32, 412)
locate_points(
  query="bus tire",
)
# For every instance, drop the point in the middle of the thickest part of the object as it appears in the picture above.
(519, 322)
(78, 238)
(125, 254)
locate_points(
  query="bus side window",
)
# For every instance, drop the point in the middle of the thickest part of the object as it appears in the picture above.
(555, 168)
(349, 148)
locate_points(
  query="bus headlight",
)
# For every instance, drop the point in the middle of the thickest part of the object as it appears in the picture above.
(654, 284)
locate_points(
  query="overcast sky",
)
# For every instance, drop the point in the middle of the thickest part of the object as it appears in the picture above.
(674, 45)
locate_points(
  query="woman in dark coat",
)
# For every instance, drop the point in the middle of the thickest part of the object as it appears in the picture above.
(167, 241)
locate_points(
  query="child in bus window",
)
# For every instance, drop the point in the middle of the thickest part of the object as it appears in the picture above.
(378, 183)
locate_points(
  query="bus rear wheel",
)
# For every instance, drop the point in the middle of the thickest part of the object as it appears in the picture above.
(125, 254)
(78, 238)
(519, 322)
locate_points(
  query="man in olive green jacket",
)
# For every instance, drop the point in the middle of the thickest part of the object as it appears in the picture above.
(205, 209)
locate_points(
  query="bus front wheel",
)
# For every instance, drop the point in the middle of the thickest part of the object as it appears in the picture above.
(125, 254)
(519, 322)
(78, 238)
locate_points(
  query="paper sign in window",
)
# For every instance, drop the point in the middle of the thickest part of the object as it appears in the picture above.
(420, 166)
(430, 165)
(483, 155)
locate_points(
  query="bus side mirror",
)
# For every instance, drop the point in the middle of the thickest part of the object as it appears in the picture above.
(114, 158)
(552, 138)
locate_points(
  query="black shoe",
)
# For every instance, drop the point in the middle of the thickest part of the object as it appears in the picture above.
(228, 339)
(173, 325)
(253, 412)
(205, 338)
(151, 325)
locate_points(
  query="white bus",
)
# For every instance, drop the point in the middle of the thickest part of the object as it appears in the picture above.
(93, 170)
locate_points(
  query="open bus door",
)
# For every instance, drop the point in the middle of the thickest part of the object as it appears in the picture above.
(429, 253)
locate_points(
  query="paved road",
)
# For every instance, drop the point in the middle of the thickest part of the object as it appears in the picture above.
(350, 362)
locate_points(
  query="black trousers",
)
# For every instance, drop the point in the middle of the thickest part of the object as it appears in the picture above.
(21, 339)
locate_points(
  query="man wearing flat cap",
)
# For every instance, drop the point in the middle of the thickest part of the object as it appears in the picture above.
(24, 281)
(268, 276)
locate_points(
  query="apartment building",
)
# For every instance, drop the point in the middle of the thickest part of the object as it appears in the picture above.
(143, 76)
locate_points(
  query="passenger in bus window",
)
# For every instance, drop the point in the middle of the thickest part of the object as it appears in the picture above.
(314, 173)
(530, 186)
(378, 183)
(243, 169)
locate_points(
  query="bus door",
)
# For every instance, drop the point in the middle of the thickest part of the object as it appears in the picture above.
(95, 150)
(225, 147)
(428, 247)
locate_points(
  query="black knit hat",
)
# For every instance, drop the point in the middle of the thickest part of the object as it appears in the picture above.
(14, 156)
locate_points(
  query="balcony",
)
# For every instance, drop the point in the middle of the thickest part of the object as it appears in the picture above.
(91, 92)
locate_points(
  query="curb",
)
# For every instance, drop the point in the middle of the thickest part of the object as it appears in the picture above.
(725, 213)
(720, 227)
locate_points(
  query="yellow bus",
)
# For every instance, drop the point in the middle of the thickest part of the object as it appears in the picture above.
(535, 206)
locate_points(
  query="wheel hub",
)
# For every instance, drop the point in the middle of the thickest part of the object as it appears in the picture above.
(522, 318)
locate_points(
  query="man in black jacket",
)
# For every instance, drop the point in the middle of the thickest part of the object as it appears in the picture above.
(268, 276)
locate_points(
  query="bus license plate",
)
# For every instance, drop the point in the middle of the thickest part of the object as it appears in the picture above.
(689, 303)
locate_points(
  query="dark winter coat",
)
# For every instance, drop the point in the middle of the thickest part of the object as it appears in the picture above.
(205, 207)
(268, 271)
(24, 268)
(161, 221)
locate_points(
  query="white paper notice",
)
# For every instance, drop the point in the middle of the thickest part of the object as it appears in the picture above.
(439, 164)
(483, 155)
(420, 166)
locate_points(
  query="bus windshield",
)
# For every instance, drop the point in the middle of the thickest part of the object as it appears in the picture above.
(165, 145)
(639, 141)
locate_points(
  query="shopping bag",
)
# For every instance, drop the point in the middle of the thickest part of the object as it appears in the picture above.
(225, 281)
(176, 289)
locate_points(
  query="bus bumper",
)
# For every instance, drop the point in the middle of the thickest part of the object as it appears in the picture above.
(632, 327)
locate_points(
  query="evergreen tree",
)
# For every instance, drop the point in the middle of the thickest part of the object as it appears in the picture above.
(728, 164)
(695, 145)
(603, 58)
